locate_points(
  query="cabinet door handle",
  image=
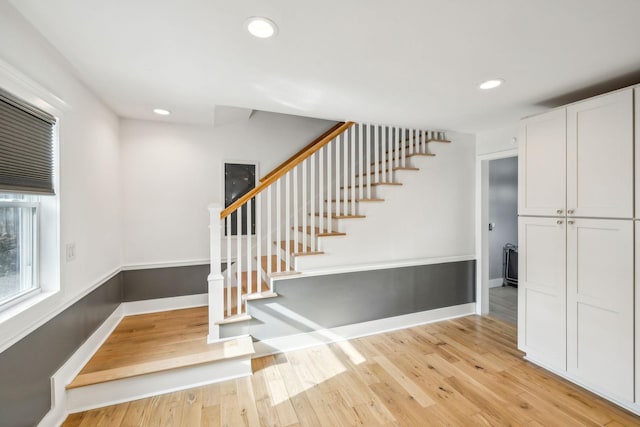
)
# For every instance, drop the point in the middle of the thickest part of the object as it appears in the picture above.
(559, 211)
(559, 222)
(570, 211)
(571, 222)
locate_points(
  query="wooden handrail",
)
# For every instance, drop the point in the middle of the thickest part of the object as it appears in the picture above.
(287, 166)
(307, 147)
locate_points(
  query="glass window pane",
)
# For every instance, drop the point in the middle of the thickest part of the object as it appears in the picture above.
(17, 248)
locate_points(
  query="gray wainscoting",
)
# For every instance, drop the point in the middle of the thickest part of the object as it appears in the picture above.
(165, 282)
(309, 303)
(27, 366)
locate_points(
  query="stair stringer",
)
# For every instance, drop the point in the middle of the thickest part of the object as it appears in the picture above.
(414, 222)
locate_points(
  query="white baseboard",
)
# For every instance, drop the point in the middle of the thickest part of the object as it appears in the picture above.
(72, 367)
(141, 386)
(356, 330)
(164, 304)
(494, 283)
(628, 405)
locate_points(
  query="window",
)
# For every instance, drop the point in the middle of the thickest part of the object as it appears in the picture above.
(26, 176)
(18, 252)
(239, 179)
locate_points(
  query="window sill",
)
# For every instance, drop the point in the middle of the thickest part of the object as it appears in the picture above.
(22, 306)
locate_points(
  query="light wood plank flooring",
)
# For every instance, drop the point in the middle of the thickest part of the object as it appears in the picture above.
(157, 342)
(462, 372)
(503, 303)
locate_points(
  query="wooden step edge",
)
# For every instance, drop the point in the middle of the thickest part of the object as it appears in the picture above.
(357, 200)
(386, 171)
(340, 216)
(259, 295)
(234, 319)
(230, 349)
(375, 184)
(296, 254)
(421, 154)
(332, 234)
(284, 273)
(429, 140)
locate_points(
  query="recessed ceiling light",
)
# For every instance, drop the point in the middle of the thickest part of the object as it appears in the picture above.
(161, 112)
(260, 27)
(491, 84)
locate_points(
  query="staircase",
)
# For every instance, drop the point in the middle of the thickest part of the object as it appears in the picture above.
(304, 210)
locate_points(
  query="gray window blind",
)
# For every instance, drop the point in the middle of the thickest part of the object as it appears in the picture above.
(26, 147)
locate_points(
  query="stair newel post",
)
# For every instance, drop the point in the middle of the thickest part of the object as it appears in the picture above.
(215, 279)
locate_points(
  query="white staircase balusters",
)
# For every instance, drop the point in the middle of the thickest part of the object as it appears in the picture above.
(321, 197)
(314, 198)
(287, 221)
(215, 279)
(269, 234)
(361, 159)
(322, 182)
(329, 186)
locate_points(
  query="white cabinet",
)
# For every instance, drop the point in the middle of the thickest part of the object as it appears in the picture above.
(578, 298)
(600, 156)
(542, 164)
(600, 284)
(578, 161)
(542, 290)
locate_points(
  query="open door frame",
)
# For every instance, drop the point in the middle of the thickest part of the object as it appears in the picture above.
(482, 232)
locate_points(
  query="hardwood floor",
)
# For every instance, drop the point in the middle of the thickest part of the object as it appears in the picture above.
(155, 342)
(460, 372)
(503, 303)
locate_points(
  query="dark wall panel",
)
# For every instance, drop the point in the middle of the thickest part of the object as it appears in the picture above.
(309, 303)
(27, 366)
(165, 282)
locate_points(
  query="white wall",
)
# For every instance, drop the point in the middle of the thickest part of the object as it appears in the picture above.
(496, 140)
(172, 172)
(503, 210)
(430, 216)
(89, 171)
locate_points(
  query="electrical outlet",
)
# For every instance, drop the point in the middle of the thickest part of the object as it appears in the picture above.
(71, 252)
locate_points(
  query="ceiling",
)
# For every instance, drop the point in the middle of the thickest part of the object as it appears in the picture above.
(402, 62)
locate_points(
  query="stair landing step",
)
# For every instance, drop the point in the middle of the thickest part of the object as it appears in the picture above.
(234, 319)
(357, 200)
(375, 184)
(260, 295)
(323, 233)
(157, 342)
(334, 216)
(274, 266)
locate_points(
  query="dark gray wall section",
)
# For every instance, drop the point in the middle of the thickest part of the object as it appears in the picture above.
(27, 366)
(166, 282)
(310, 303)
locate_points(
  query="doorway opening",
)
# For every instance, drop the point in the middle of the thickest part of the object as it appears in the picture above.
(503, 238)
(497, 235)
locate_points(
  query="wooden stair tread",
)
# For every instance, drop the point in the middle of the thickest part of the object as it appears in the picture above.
(156, 342)
(357, 200)
(375, 184)
(334, 216)
(234, 319)
(323, 233)
(292, 246)
(406, 168)
(274, 264)
(260, 295)
(310, 253)
(382, 162)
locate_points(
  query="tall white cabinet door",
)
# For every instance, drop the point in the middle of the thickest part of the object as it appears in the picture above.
(600, 305)
(542, 290)
(600, 156)
(637, 145)
(637, 308)
(542, 164)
